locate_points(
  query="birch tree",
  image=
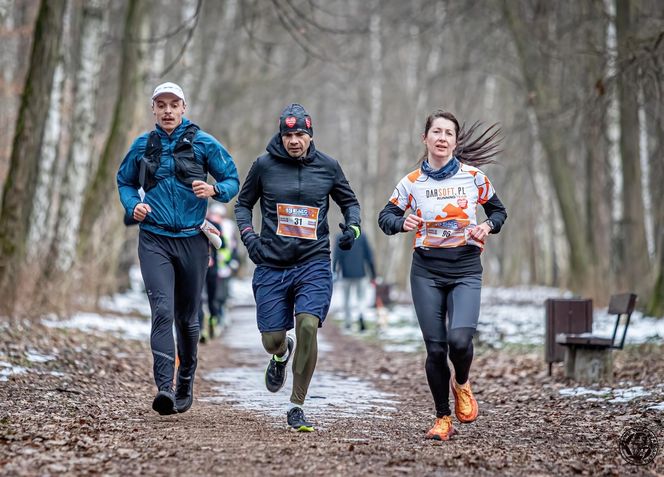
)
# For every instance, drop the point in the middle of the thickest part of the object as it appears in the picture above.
(102, 233)
(63, 250)
(42, 225)
(18, 192)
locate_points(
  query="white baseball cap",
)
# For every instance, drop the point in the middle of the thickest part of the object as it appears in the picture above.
(169, 88)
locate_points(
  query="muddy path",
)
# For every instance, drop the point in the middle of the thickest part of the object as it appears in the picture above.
(87, 411)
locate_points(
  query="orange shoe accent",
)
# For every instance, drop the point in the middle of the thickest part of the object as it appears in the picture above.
(442, 429)
(465, 405)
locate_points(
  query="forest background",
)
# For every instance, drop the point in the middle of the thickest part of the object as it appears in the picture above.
(575, 85)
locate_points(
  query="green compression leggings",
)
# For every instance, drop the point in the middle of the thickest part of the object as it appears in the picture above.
(306, 352)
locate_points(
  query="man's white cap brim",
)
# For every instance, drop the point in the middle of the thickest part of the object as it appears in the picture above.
(169, 88)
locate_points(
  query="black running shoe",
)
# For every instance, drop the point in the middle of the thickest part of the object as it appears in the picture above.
(164, 402)
(184, 393)
(275, 374)
(297, 421)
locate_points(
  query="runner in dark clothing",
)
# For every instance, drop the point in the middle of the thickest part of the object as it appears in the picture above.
(352, 267)
(170, 165)
(293, 183)
(446, 273)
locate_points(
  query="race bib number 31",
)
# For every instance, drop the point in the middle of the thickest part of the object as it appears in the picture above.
(297, 221)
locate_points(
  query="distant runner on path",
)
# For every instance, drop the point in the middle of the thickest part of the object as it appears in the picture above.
(446, 272)
(171, 165)
(293, 276)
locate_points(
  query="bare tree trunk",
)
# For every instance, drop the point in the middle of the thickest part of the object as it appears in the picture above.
(212, 66)
(97, 249)
(597, 186)
(549, 230)
(63, 250)
(544, 97)
(39, 234)
(9, 61)
(375, 112)
(190, 72)
(18, 193)
(635, 263)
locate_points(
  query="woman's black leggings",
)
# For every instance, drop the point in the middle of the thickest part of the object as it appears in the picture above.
(447, 311)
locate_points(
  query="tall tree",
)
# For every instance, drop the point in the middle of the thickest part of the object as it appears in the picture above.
(100, 222)
(44, 209)
(634, 262)
(63, 249)
(545, 82)
(375, 110)
(21, 181)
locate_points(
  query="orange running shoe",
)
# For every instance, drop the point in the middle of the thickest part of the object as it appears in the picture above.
(465, 405)
(442, 429)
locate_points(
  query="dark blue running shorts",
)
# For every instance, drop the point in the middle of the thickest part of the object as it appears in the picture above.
(282, 293)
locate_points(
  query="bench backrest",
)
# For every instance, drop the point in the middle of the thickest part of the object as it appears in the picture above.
(621, 305)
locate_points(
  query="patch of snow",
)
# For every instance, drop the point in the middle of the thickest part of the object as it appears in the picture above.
(129, 328)
(581, 391)
(612, 395)
(133, 302)
(626, 395)
(8, 369)
(35, 357)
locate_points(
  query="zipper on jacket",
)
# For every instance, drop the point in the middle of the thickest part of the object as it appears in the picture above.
(173, 188)
(299, 198)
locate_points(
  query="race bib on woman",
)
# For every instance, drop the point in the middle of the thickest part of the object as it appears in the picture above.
(445, 233)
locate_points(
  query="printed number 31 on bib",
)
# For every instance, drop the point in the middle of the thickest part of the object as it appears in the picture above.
(299, 221)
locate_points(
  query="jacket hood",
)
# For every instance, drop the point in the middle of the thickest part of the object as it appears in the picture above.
(276, 148)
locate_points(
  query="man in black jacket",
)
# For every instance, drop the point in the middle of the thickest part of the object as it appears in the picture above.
(293, 277)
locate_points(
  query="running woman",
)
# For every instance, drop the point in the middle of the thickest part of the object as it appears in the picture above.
(293, 276)
(446, 272)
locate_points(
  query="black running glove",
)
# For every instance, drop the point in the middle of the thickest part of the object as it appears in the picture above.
(348, 236)
(254, 245)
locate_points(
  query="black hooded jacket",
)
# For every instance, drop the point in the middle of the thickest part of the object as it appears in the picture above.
(277, 178)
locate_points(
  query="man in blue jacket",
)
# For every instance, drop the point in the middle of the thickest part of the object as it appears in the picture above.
(293, 280)
(170, 165)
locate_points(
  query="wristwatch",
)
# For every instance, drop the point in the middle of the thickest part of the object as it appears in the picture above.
(490, 223)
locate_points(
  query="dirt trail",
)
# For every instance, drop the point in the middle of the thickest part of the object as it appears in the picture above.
(88, 412)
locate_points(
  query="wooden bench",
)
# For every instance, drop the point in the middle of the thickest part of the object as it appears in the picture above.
(588, 357)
